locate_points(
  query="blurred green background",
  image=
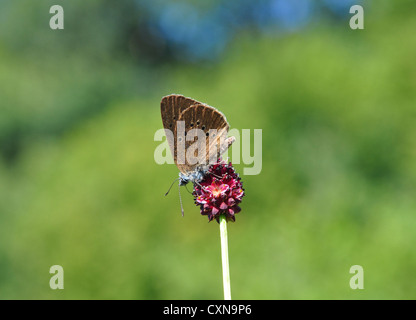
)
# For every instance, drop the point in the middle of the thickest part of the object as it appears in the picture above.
(79, 186)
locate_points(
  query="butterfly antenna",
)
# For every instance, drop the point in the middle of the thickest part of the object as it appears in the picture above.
(180, 199)
(171, 186)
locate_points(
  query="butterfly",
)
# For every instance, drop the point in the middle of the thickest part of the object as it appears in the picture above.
(196, 134)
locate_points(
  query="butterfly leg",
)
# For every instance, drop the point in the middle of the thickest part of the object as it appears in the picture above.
(197, 183)
(180, 199)
(216, 176)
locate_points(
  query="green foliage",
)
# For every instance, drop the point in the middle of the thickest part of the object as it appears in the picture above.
(337, 187)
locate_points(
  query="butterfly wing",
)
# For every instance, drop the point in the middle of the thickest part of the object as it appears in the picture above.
(214, 128)
(171, 107)
(195, 115)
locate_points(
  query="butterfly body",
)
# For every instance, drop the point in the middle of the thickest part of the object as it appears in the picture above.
(194, 176)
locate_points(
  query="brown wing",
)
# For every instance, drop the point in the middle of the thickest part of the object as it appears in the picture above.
(171, 107)
(212, 139)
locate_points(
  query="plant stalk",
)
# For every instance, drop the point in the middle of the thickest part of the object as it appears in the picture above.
(224, 257)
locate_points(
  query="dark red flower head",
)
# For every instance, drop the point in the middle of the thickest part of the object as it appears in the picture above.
(221, 192)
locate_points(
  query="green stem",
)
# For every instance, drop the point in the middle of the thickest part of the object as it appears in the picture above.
(224, 256)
